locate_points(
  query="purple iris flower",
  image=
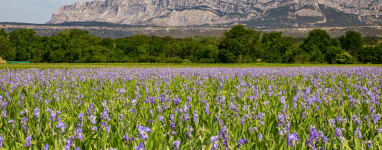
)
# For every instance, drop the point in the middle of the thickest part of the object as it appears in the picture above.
(357, 132)
(242, 142)
(28, 141)
(143, 132)
(338, 132)
(1, 141)
(36, 113)
(80, 117)
(292, 139)
(176, 144)
(139, 147)
(214, 141)
(46, 147)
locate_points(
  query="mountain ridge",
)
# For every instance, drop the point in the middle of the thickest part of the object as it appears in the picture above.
(255, 13)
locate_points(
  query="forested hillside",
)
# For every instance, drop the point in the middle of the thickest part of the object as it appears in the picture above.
(238, 45)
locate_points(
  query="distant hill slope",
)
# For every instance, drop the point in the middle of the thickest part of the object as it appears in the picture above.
(109, 30)
(255, 13)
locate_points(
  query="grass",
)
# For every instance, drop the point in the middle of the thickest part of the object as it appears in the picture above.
(167, 65)
(156, 107)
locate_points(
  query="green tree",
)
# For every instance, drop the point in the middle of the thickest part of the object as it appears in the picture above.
(3, 33)
(316, 45)
(275, 47)
(27, 44)
(296, 54)
(226, 56)
(352, 43)
(344, 58)
(332, 53)
(7, 52)
(240, 41)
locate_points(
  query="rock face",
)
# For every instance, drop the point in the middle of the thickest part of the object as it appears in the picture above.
(268, 13)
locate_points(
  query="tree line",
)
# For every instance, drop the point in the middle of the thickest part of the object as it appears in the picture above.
(238, 45)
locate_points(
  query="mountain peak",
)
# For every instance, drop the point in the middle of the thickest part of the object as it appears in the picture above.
(264, 13)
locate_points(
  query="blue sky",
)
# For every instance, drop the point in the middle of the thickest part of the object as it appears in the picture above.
(30, 11)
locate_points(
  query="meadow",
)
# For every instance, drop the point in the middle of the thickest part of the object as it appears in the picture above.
(190, 106)
(172, 65)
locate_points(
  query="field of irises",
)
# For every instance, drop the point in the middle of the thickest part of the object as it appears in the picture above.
(191, 108)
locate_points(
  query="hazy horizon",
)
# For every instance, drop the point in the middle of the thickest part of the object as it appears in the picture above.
(30, 11)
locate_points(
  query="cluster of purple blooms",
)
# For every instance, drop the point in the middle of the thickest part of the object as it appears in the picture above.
(182, 108)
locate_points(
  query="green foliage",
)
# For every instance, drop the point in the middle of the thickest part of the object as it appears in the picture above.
(26, 43)
(7, 52)
(97, 108)
(239, 45)
(371, 54)
(275, 47)
(316, 45)
(241, 41)
(344, 58)
(352, 43)
(3, 33)
(332, 53)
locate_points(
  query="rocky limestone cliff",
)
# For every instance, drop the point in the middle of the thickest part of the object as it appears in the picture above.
(268, 13)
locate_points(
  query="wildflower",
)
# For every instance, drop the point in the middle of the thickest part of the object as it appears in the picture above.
(176, 101)
(376, 118)
(261, 115)
(338, 132)
(176, 144)
(324, 139)
(61, 125)
(379, 130)
(125, 138)
(242, 142)
(104, 103)
(46, 147)
(80, 117)
(4, 104)
(24, 120)
(281, 119)
(282, 100)
(332, 122)
(196, 116)
(370, 144)
(69, 142)
(173, 133)
(92, 119)
(79, 134)
(143, 132)
(342, 139)
(172, 125)
(214, 141)
(313, 135)
(292, 139)
(105, 115)
(339, 119)
(242, 120)
(120, 117)
(53, 115)
(161, 118)
(108, 129)
(94, 128)
(1, 141)
(186, 117)
(357, 132)
(36, 113)
(139, 147)
(3, 114)
(260, 136)
(28, 141)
